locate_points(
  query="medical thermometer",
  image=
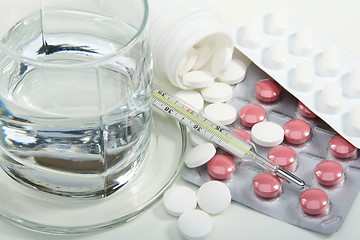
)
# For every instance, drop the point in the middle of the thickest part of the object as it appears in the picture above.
(218, 134)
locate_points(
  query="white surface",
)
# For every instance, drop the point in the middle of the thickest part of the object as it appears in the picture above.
(214, 197)
(191, 97)
(234, 74)
(197, 79)
(221, 112)
(218, 92)
(337, 20)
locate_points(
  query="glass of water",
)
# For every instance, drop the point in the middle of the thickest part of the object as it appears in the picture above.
(75, 94)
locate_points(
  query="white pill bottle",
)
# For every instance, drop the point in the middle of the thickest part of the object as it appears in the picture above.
(186, 35)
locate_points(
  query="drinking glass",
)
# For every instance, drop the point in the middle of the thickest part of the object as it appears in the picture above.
(75, 94)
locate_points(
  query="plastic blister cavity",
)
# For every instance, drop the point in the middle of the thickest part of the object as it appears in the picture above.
(311, 67)
(312, 146)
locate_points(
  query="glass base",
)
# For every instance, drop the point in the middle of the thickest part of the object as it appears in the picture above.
(48, 213)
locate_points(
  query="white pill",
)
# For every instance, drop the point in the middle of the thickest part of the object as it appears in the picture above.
(196, 139)
(221, 60)
(304, 75)
(304, 42)
(198, 79)
(332, 97)
(234, 74)
(355, 81)
(214, 197)
(355, 117)
(221, 112)
(279, 22)
(195, 224)
(267, 134)
(192, 98)
(188, 62)
(179, 199)
(199, 155)
(252, 34)
(330, 61)
(203, 56)
(277, 55)
(218, 92)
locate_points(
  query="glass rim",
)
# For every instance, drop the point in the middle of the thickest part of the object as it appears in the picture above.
(39, 63)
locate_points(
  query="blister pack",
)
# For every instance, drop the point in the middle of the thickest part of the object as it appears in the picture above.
(310, 149)
(311, 67)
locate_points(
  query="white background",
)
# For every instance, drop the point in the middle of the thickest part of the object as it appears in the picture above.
(339, 21)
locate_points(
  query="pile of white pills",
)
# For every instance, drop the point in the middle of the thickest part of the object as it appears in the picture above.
(213, 198)
(208, 91)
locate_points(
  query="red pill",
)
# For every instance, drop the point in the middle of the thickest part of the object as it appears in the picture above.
(296, 131)
(284, 157)
(314, 201)
(305, 112)
(329, 173)
(221, 167)
(266, 185)
(267, 90)
(341, 148)
(243, 134)
(251, 114)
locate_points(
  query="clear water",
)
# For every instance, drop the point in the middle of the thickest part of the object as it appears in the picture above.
(67, 127)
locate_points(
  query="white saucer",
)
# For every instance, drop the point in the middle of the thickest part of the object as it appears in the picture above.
(43, 212)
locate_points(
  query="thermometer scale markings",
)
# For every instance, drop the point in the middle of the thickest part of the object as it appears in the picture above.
(194, 120)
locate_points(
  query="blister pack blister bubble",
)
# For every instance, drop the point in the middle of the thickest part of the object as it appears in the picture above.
(283, 203)
(311, 67)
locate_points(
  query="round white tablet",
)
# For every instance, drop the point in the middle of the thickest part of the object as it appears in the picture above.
(188, 62)
(203, 56)
(192, 98)
(217, 92)
(267, 134)
(195, 224)
(198, 79)
(196, 139)
(221, 112)
(179, 199)
(199, 155)
(221, 60)
(214, 197)
(234, 74)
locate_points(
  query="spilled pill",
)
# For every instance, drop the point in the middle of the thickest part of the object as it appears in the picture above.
(203, 56)
(214, 197)
(195, 224)
(199, 155)
(221, 60)
(192, 98)
(329, 173)
(221, 112)
(217, 92)
(266, 185)
(234, 74)
(197, 79)
(188, 61)
(179, 199)
(267, 134)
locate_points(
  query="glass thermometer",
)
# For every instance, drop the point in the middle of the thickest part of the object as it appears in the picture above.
(218, 134)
